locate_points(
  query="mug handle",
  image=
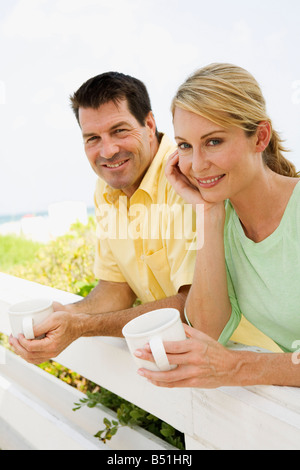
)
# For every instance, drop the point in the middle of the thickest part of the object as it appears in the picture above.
(28, 328)
(159, 353)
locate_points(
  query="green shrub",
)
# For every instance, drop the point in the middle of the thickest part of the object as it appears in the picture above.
(16, 251)
(65, 263)
(129, 415)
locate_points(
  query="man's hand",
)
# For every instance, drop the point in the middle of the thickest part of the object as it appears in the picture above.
(89, 318)
(60, 330)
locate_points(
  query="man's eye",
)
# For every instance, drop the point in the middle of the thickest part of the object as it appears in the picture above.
(91, 139)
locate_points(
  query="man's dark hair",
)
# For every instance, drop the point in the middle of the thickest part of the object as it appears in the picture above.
(113, 86)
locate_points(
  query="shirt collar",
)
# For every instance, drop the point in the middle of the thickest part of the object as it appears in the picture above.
(150, 181)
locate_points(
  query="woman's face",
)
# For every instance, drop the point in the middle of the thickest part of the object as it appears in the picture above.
(219, 161)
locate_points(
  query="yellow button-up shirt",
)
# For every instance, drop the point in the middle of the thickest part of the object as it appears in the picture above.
(148, 240)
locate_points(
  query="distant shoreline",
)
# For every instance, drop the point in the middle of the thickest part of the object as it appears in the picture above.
(44, 226)
(7, 218)
(4, 219)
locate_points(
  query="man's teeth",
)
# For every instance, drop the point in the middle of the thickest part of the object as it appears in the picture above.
(115, 165)
(211, 180)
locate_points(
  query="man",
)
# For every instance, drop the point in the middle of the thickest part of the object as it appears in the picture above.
(142, 252)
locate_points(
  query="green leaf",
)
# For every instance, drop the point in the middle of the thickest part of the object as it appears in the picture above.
(113, 431)
(167, 430)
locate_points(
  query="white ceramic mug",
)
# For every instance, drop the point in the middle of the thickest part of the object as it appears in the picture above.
(24, 316)
(154, 328)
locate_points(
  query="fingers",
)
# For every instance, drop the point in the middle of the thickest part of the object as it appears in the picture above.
(51, 323)
(37, 351)
(144, 354)
(48, 325)
(182, 376)
(174, 157)
(190, 356)
(27, 349)
(172, 163)
(173, 350)
(190, 351)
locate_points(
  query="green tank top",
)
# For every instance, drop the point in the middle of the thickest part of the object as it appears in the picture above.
(264, 278)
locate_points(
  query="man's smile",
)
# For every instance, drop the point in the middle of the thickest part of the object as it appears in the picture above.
(115, 165)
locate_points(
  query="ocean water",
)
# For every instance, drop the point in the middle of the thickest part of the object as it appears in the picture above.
(4, 218)
(15, 217)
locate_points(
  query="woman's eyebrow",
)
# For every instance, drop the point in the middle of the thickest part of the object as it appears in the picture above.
(204, 136)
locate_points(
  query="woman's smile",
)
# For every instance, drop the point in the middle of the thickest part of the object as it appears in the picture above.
(209, 182)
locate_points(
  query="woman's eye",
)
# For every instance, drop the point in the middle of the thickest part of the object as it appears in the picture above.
(184, 146)
(213, 142)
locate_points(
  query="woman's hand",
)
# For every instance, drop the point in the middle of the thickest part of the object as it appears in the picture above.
(202, 362)
(180, 182)
(190, 193)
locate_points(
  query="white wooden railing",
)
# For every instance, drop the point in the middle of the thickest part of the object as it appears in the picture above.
(36, 408)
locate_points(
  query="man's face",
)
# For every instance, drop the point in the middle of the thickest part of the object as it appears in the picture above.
(118, 147)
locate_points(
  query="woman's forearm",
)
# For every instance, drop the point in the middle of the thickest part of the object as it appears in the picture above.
(267, 369)
(208, 307)
(204, 363)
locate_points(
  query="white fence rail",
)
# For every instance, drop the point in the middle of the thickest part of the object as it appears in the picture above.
(36, 408)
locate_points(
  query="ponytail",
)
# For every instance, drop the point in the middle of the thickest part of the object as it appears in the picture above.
(275, 160)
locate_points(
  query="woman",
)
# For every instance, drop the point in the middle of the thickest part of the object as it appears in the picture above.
(230, 164)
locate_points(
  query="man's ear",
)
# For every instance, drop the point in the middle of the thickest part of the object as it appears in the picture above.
(150, 124)
(263, 136)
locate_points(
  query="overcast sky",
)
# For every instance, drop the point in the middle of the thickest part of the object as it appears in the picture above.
(48, 48)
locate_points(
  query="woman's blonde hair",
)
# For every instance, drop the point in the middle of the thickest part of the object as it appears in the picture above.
(229, 95)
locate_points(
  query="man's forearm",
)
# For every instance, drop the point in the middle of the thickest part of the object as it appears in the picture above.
(111, 323)
(105, 297)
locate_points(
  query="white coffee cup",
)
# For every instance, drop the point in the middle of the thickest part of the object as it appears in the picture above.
(24, 316)
(154, 328)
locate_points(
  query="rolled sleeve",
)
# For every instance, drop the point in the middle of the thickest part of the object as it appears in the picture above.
(105, 266)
